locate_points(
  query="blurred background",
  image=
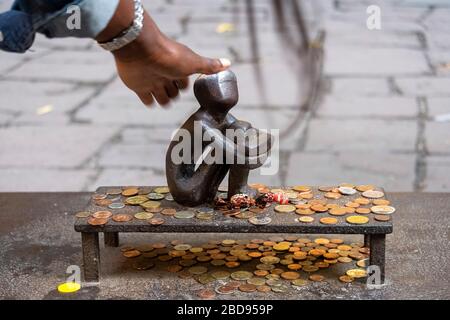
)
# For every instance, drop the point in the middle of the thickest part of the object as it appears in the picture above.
(352, 104)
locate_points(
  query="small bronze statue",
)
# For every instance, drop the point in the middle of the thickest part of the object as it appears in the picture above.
(193, 184)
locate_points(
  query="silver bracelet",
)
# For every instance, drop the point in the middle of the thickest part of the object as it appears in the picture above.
(131, 33)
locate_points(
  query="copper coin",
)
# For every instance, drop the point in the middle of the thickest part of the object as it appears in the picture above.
(122, 217)
(225, 289)
(168, 212)
(260, 273)
(263, 288)
(363, 201)
(338, 211)
(99, 196)
(206, 294)
(316, 277)
(232, 264)
(102, 214)
(156, 221)
(97, 221)
(319, 208)
(131, 253)
(247, 287)
(325, 188)
(362, 210)
(373, 194)
(382, 217)
(332, 195)
(317, 201)
(365, 187)
(129, 192)
(290, 275)
(351, 204)
(346, 279)
(103, 202)
(381, 202)
(327, 220)
(304, 211)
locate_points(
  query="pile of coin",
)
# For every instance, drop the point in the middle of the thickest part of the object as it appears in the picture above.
(276, 264)
(344, 203)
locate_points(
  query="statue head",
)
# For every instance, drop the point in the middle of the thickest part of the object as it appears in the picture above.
(217, 92)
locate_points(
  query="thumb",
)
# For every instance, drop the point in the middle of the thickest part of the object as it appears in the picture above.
(211, 66)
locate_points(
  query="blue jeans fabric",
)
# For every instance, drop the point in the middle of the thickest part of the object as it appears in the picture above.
(49, 17)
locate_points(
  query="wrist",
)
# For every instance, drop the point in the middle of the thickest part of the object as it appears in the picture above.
(122, 19)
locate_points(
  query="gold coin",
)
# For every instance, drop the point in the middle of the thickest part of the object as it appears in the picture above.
(327, 220)
(316, 252)
(361, 263)
(322, 241)
(284, 208)
(102, 214)
(332, 195)
(143, 215)
(316, 277)
(131, 253)
(363, 201)
(301, 188)
(306, 195)
(356, 273)
(365, 187)
(331, 256)
(346, 279)
(151, 204)
(344, 247)
(228, 242)
(130, 192)
(382, 209)
(161, 190)
(373, 194)
(122, 217)
(168, 212)
(269, 260)
(381, 202)
(282, 246)
(338, 211)
(136, 200)
(306, 219)
(97, 221)
(357, 219)
(336, 241)
(362, 210)
(382, 218)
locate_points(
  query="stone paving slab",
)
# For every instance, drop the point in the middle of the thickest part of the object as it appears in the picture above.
(438, 106)
(126, 176)
(47, 147)
(392, 171)
(359, 87)
(438, 137)
(438, 177)
(361, 135)
(423, 86)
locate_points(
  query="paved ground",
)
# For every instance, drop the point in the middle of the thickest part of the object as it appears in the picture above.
(376, 121)
(39, 243)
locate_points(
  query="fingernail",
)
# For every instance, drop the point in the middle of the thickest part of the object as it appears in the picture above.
(225, 62)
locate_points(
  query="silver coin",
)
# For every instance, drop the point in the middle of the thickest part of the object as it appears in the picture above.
(186, 214)
(205, 210)
(281, 288)
(347, 191)
(169, 197)
(155, 196)
(260, 221)
(116, 205)
(99, 196)
(382, 210)
(297, 201)
(115, 199)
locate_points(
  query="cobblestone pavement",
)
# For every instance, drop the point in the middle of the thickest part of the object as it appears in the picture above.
(68, 124)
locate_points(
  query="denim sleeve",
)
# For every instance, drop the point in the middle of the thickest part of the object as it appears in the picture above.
(54, 18)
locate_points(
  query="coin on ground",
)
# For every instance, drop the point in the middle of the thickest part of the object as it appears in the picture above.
(327, 220)
(153, 210)
(241, 275)
(168, 212)
(382, 209)
(155, 196)
(102, 214)
(263, 288)
(204, 215)
(365, 187)
(247, 287)
(116, 205)
(185, 214)
(346, 279)
(306, 211)
(290, 275)
(143, 264)
(299, 282)
(306, 219)
(82, 214)
(99, 196)
(284, 208)
(259, 221)
(97, 221)
(382, 218)
(356, 273)
(332, 195)
(301, 188)
(197, 270)
(151, 204)
(156, 221)
(225, 289)
(130, 192)
(363, 201)
(220, 275)
(136, 200)
(357, 219)
(114, 191)
(206, 294)
(373, 194)
(316, 277)
(69, 287)
(143, 215)
(122, 217)
(131, 253)
(345, 259)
